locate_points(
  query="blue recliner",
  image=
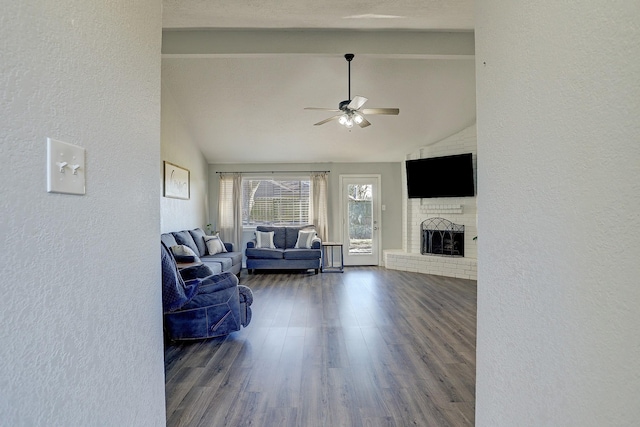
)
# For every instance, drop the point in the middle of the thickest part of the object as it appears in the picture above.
(198, 304)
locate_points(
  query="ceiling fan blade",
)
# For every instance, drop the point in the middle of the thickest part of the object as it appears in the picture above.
(357, 102)
(322, 109)
(391, 111)
(364, 123)
(327, 120)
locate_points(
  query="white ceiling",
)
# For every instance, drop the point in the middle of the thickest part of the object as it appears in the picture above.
(242, 72)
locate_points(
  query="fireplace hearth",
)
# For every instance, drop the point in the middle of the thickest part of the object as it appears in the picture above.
(442, 237)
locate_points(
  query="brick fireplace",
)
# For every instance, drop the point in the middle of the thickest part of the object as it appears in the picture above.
(460, 211)
(455, 251)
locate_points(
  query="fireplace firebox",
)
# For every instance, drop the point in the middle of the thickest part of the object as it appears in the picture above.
(442, 237)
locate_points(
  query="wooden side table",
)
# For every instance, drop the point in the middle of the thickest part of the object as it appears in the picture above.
(331, 267)
(182, 265)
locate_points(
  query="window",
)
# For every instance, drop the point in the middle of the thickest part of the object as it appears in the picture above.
(275, 201)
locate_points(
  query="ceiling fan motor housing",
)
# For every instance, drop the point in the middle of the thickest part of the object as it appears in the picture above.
(343, 105)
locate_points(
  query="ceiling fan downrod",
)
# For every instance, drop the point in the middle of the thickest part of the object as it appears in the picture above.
(349, 57)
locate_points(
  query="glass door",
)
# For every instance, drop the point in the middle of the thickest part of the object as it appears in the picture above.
(360, 219)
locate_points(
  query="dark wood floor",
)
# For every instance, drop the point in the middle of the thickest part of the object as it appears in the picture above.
(369, 347)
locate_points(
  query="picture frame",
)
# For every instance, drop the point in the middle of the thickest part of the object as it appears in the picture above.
(177, 182)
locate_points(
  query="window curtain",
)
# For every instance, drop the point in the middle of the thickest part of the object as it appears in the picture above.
(230, 209)
(318, 203)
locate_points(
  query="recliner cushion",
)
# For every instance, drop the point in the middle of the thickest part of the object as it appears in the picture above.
(209, 291)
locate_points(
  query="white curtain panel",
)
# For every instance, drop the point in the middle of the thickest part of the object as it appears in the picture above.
(318, 203)
(230, 209)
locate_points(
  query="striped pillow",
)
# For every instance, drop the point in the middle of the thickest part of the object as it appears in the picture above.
(305, 238)
(214, 245)
(264, 239)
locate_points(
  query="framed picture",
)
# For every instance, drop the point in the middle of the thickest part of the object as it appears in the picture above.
(176, 182)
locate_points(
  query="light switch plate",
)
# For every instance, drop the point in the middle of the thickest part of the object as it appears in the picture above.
(65, 168)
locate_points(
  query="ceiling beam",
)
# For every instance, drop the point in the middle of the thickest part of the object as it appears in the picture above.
(387, 43)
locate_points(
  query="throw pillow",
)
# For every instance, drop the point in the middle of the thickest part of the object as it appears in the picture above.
(214, 245)
(305, 238)
(181, 251)
(264, 239)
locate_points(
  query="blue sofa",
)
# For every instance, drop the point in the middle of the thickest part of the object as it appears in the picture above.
(225, 262)
(284, 256)
(198, 304)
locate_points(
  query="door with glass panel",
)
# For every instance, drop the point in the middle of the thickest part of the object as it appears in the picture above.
(360, 195)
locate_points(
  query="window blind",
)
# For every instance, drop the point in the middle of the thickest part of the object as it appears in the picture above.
(275, 201)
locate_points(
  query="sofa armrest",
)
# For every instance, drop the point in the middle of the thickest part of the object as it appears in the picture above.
(195, 272)
(246, 299)
(251, 244)
(316, 243)
(184, 259)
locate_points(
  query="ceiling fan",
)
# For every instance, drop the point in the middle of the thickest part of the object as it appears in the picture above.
(351, 110)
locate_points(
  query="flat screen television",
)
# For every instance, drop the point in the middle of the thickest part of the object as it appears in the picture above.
(449, 176)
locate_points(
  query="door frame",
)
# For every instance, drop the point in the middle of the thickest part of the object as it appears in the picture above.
(377, 209)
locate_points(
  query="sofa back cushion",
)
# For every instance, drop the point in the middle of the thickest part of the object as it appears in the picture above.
(168, 239)
(184, 238)
(198, 238)
(291, 234)
(285, 237)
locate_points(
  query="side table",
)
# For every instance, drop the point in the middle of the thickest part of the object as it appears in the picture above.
(331, 248)
(182, 265)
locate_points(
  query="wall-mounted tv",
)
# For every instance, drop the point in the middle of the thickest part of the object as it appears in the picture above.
(449, 176)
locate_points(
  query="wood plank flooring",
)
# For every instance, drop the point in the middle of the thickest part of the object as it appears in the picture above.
(368, 347)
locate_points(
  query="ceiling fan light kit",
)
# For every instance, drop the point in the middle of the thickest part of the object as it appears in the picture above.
(348, 119)
(350, 110)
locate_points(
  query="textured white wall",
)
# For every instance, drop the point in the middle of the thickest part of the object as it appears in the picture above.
(80, 312)
(558, 99)
(178, 147)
